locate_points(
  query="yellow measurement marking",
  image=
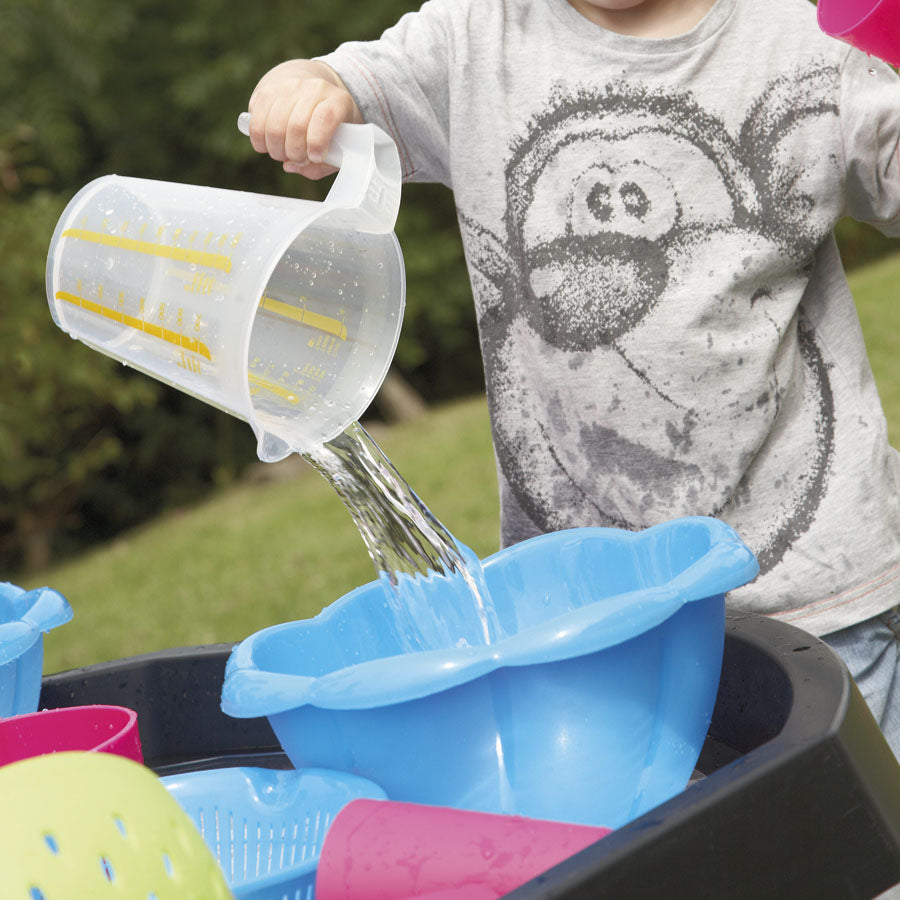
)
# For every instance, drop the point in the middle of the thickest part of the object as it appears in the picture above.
(196, 282)
(265, 384)
(304, 316)
(164, 334)
(167, 251)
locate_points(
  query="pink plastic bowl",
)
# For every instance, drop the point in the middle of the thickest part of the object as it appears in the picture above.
(872, 26)
(106, 729)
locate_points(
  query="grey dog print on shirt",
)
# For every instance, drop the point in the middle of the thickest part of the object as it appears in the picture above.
(646, 352)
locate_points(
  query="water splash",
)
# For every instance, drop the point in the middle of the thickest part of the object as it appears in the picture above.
(409, 548)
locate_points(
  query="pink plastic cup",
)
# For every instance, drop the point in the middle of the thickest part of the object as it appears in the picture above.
(872, 26)
(385, 850)
(106, 729)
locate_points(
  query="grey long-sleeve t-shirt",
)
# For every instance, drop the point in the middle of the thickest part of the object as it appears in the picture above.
(665, 323)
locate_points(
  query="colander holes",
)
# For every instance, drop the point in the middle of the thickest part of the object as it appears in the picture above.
(120, 825)
(167, 863)
(106, 867)
(51, 843)
(36, 894)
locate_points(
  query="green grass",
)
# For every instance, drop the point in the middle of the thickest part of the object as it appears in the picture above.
(877, 291)
(264, 552)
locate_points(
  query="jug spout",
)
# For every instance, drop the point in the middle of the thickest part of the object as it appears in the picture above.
(270, 447)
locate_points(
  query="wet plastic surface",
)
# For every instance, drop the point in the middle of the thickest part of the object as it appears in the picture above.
(590, 706)
(101, 728)
(266, 827)
(800, 795)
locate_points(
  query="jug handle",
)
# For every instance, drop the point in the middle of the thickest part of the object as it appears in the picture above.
(369, 175)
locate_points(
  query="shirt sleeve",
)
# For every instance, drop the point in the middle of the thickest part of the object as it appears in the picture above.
(400, 83)
(870, 125)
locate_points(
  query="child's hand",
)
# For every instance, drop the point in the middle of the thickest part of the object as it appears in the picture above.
(294, 112)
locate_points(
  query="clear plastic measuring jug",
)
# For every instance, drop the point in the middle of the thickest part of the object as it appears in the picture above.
(283, 312)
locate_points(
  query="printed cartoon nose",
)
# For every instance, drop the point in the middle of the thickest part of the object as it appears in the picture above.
(633, 199)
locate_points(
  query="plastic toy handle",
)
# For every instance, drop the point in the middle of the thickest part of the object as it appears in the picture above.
(728, 564)
(15, 639)
(40, 610)
(369, 174)
(47, 610)
(248, 693)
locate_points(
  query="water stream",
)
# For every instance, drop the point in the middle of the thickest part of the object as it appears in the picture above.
(410, 548)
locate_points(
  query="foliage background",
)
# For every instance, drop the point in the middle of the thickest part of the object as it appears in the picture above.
(152, 88)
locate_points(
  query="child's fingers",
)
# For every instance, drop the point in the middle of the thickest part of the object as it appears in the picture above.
(285, 117)
(294, 112)
(257, 130)
(268, 118)
(333, 109)
(295, 136)
(313, 171)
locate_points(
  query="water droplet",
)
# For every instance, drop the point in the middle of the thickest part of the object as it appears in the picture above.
(871, 70)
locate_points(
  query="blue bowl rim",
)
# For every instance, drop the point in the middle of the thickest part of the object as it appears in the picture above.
(249, 691)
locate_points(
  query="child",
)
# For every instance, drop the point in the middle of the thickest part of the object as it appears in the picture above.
(647, 191)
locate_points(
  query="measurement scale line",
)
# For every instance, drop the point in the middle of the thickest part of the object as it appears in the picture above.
(265, 384)
(167, 251)
(164, 334)
(305, 317)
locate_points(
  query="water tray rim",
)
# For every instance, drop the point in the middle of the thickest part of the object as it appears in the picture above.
(249, 691)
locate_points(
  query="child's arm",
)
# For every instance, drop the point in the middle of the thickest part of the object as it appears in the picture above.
(870, 124)
(294, 111)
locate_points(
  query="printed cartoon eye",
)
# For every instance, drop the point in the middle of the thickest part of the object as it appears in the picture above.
(632, 199)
